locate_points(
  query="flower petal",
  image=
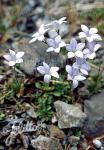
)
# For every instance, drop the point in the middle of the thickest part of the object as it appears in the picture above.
(54, 69)
(71, 55)
(57, 50)
(51, 42)
(41, 38)
(96, 37)
(79, 54)
(50, 49)
(12, 52)
(7, 57)
(97, 46)
(58, 39)
(84, 28)
(41, 69)
(33, 40)
(47, 78)
(41, 29)
(61, 20)
(19, 60)
(92, 56)
(73, 44)
(82, 35)
(55, 74)
(80, 78)
(11, 63)
(19, 54)
(84, 71)
(62, 44)
(93, 31)
(68, 47)
(69, 69)
(80, 46)
(69, 77)
(75, 83)
(46, 66)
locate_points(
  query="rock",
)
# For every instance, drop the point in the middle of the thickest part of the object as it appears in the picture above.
(97, 143)
(56, 132)
(73, 148)
(94, 108)
(35, 54)
(30, 110)
(46, 143)
(69, 115)
(84, 92)
(73, 140)
(54, 119)
(81, 5)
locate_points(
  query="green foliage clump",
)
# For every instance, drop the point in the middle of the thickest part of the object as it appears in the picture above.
(46, 95)
(2, 116)
(95, 83)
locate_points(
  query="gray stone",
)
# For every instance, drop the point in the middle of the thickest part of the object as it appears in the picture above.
(56, 132)
(46, 143)
(97, 143)
(35, 54)
(73, 148)
(58, 8)
(94, 108)
(69, 115)
(30, 110)
(74, 140)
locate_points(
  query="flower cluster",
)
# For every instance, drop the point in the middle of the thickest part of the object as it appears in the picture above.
(14, 58)
(78, 52)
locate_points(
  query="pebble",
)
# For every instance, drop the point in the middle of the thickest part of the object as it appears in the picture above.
(97, 143)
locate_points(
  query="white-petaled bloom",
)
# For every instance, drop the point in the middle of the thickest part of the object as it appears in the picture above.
(14, 58)
(90, 34)
(75, 49)
(48, 72)
(82, 65)
(56, 23)
(39, 35)
(73, 75)
(55, 44)
(90, 51)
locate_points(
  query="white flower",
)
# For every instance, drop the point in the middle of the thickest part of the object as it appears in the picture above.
(14, 58)
(90, 34)
(75, 49)
(48, 72)
(56, 23)
(55, 44)
(90, 51)
(39, 35)
(82, 65)
(73, 75)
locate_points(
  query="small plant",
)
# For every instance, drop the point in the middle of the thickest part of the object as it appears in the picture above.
(2, 116)
(78, 53)
(45, 104)
(96, 82)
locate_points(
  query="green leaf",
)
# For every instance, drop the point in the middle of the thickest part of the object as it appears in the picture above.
(38, 85)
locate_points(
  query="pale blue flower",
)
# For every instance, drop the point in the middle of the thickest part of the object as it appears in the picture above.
(82, 65)
(14, 58)
(74, 75)
(48, 72)
(56, 23)
(55, 44)
(75, 49)
(90, 51)
(90, 34)
(39, 35)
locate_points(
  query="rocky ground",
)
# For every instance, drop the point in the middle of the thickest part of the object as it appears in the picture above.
(72, 122)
